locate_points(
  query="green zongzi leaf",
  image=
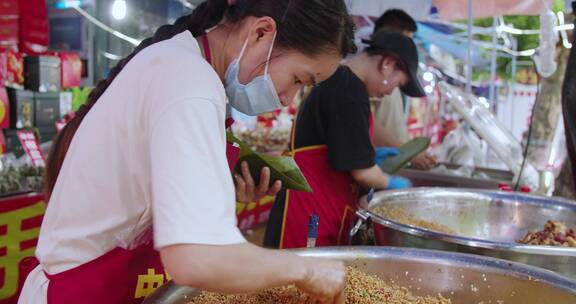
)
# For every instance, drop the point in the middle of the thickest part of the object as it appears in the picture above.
(408, 151)
(282, 168)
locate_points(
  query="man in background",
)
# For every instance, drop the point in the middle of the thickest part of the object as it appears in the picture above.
(390, 126)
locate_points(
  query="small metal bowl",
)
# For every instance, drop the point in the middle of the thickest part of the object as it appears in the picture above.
(485, 222)
(463, 278)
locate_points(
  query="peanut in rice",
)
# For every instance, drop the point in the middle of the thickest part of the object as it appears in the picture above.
(400, 215)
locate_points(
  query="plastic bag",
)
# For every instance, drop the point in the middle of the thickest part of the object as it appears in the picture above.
(462, 147)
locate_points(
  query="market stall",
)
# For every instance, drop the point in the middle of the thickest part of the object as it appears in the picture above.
(481, 226)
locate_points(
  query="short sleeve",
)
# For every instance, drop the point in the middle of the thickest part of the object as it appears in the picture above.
(348, 130)
(193, 191)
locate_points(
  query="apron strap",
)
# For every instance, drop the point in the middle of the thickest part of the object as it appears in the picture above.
(206, 47)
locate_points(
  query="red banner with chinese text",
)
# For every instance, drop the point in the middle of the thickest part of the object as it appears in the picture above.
(20, 220)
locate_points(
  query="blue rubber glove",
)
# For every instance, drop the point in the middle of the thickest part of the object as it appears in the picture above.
(396, 182)
(385, 152)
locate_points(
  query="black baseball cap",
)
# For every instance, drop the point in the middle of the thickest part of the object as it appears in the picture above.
(405, 49)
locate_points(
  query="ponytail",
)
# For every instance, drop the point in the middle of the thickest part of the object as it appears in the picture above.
(205, 16)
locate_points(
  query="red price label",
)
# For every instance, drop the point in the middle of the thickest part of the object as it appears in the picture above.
(32, 148)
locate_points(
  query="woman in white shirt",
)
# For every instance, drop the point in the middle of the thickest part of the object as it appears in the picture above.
(149, 150)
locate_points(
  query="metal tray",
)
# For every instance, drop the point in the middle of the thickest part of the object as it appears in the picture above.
(463, 278)
(421, 178)
(486, 223)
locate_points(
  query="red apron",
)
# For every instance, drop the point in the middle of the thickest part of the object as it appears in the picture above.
(119, 276)
(333, 199)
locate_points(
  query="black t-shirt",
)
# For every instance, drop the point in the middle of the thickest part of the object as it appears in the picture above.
(337, 114)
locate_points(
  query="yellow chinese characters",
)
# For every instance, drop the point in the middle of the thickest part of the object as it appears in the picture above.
(10, 245)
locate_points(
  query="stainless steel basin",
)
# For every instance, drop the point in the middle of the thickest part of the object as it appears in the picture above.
(464, 278)
(485, 222)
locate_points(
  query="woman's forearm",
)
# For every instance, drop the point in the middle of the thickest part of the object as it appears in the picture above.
(232, 268)
(371, 178)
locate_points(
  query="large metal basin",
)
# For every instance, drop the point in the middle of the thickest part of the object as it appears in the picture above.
(464, 278)
(485, 222)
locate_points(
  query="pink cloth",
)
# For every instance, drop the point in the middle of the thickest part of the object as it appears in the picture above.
(458, 9)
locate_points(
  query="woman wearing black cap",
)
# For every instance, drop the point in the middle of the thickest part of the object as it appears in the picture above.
(332, 143)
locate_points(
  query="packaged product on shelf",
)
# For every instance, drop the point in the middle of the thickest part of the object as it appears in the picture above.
(34, 29)
(9, 26)
(4, 108)
(47, 110)
(9, 8)
(42, 73)
(65, 103)
(12, 142)
(12, 68)
(2, 143)
(21, 108)
(9, 31)
(71, 71)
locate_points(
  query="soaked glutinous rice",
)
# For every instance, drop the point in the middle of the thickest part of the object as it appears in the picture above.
(361, 289)
(400, 215)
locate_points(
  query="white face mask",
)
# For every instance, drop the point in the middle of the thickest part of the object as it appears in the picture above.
(259, 95)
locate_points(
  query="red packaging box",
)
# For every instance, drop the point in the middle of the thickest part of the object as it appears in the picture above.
(71, 66)
(9, 7)
(6, 46)
(12, 68)
(33, 8)
(4, 109)
(9, 30)
(34, 31)
(34, 35)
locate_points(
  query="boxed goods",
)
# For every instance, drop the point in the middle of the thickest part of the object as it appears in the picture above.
(34, 30)
(21, 108)
(9, 32)
(65, 103)
(42, 73)
(12, 68)
(12, 142)
(9, 8)
(47, 110)
(4, 109)
(71, 69)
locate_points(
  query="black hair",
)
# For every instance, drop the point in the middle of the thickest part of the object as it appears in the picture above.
(396, 20)
(312, 27)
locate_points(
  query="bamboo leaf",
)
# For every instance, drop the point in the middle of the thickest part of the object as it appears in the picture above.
(408, 151)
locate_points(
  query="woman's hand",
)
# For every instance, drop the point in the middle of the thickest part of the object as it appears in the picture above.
(424, 161)
(325, 281)
(247, 191)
